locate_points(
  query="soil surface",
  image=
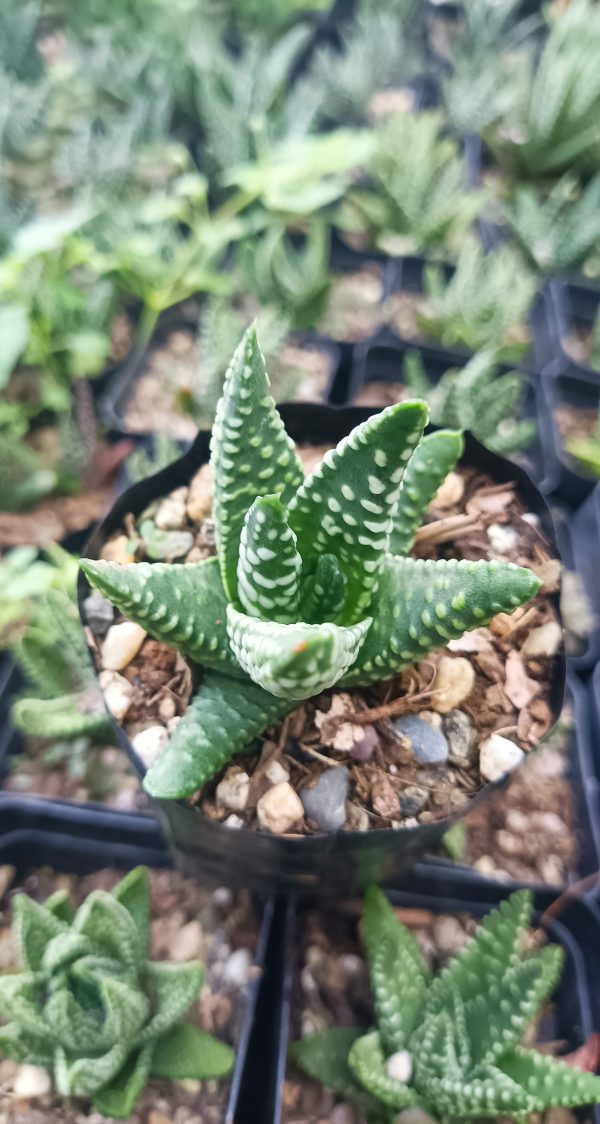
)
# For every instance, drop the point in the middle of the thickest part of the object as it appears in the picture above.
(74, 770)
(219, 928)
(579, 343)
(354, 306)
(495, 680)
(331, 988)
(574, 422)
(172, 376)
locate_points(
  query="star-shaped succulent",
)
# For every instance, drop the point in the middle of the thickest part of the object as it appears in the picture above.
(311, 586)
(450, 1043)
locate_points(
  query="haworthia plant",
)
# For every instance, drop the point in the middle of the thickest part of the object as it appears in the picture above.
(311, 586)
(90, 1007)
(451, 1043)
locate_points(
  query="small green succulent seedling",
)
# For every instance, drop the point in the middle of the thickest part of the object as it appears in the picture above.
(450, 1043)
(475, 397)
(311, 586)
(90, 1007)
(557, 231)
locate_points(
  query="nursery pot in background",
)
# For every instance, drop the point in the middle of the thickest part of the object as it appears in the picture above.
(332, 863)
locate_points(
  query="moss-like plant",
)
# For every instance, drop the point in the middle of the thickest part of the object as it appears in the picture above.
(91, 1008)
(311, 586)
(450, 1043)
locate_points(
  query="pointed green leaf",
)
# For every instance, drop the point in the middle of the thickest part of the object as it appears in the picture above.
(489, 1093)
(432, 460)
(63, 949)
(421, 605)
(21, 1002)
(86, 1075)
(186, 1052)
(323, 593)
(251, 454)
(117, 1098)
(33, 927)
(133, 891)
(183, 605)
(222, 718)
(435, 1053)
(62, 717)
(110, 927)
(21, 1047)
(399, 973)
(549, 1081)
(367, 1062)
(324, 1056)
(294, 661)
(346, 505)
(59, 904)
(269, 565)
(175, 987)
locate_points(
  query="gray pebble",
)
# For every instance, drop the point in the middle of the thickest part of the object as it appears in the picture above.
(428, 744)
(326, 802)
(413, 799)
(99, 613)
(458, 729)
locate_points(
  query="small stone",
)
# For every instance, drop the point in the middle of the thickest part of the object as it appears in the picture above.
(413, 799)
(502, 538)
(415, 1116)
(167, 708)
(342, 1114)
(31, 1081)
(448, 935)
(428, 744)
(188, 943)
(207, 535)
(517, 821)
(454, 681)
(238, 968)
(543, 641)
(117, 550)
(233, 791)
(118, 693)
(399, 1066)
(451, 491)
(552, 870)
(148, 743)
(459, 732)
(384, 797)
(158, 1118)
(279, 808)
(485, 865)
(99, 613)
(325, 803)
(551, 823)
(121, 644)
(199, 501)
(276, 773)
(233, 821)
(497, 756)
(357, 818)
(171, 515)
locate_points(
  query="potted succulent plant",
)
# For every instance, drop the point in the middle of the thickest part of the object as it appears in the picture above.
(303, 585)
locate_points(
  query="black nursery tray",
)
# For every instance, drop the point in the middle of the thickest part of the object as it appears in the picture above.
(578, 537)
(571, 307)
(35, 838)
(567, 388)
(576, 1001)
(382, 358)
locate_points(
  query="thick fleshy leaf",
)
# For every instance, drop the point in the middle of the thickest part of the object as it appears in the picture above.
(59, 904)
(24, 1048)
(399, 973)
(183, 605)
(367, 1062)
(428, 467)
(294, 661)
(346, 505)
(117, 1098)
(269, 565)
(86, 1075)
(548, 1081)
(421, 605)
(186, 1052)
(20, 1002)
(323, 591)
(111, 928)
(251, 454)
(33, 927)
(133, 891)
(222, 718)
(63, 949)
(59, 718)
(490, 1093)
(174, 987)
(324, 1056)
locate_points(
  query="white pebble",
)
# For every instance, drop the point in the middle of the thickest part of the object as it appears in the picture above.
(454, 681)
(31, 1081)
(188, 943)
(503, 538)
(121, 644)
(233, 821)
(399, 1066)
(238, 967)
(276, 773)
(279, 808)
(171, 515)
(118, 693)
(148, 743)
(497, 756)
(451, 491)
(543, 641)
(233, 791)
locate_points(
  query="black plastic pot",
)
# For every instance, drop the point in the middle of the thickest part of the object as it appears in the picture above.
(381, 359)
(331, 864)
(39, 842)
(569, 306)
(568, 389)
(576, 1000)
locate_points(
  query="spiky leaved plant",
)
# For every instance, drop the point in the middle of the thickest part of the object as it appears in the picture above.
(450, 1043)
(292, 278)
(311, 586)
(61, 699)
(91, 1008)
(475, 397)
(557, 231)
